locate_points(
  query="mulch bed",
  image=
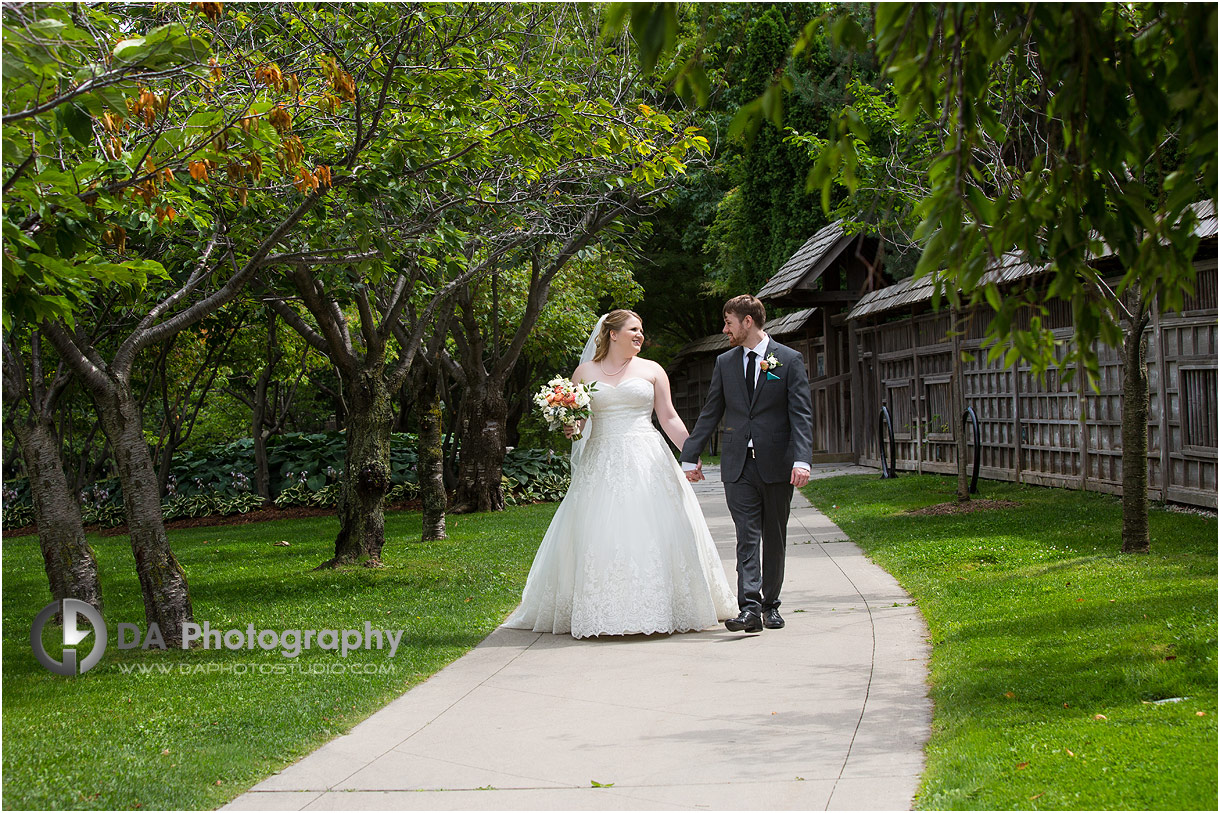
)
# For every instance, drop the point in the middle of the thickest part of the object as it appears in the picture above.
(257, 515)
(970, 507)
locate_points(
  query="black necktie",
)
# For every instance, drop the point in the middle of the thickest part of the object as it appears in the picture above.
(750, 374)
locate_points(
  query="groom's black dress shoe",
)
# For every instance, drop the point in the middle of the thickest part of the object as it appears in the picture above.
(772, 620)
(746, 622)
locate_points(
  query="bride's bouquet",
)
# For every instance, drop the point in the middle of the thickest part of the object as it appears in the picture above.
(564, 403)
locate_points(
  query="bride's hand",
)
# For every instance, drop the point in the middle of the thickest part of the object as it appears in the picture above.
(572, 430)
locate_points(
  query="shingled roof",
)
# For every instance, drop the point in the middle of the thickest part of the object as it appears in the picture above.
(1008, 269)
(718, 343)
(814, 256)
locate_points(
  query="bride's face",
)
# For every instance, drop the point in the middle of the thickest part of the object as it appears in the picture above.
(630, 339)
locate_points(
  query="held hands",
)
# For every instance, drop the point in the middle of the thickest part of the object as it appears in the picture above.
(695, 475)
(579, 427)
(799, 476)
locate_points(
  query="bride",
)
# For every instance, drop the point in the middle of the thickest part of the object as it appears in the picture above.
(628, 550)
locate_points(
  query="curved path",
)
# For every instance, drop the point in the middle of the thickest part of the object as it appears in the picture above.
(830, 713)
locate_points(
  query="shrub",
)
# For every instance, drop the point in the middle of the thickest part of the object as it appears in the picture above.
(102, 514)
(214, 481)
(209, 504)
(402, 492)
(17, 514)
(534, 475)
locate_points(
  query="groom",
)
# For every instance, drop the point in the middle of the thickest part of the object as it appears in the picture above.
(761, 390)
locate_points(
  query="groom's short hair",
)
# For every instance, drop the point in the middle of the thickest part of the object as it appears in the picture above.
(747, 305)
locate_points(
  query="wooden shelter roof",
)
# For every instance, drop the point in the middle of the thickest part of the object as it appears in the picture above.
(809, 261)
(719, 342)
(1008, 269)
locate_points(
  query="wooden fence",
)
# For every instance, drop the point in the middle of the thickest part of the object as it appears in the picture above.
(1046, 432)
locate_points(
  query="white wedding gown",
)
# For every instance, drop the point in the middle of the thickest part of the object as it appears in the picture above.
(628, 550)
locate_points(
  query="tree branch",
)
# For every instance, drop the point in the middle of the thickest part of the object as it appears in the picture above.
(311, 336)
(143, 338)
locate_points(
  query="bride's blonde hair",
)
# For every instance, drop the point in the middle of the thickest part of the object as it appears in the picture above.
(615, 320)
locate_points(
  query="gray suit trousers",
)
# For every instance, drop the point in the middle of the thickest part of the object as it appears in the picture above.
(760, 513)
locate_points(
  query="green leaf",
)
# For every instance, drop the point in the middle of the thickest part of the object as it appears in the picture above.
(856, 124)
(847, 33)
(992, 292)
(131, 51)
(77, 122)
(746, 121)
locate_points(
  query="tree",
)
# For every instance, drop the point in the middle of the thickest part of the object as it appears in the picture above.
(269, 398)
(182, 379)
(618, 160)
(52, 87)
(79, 212)
(430, 438)
(741, 220)
(1071, 128)
(490, 343)
(535, 164)
(31, 397)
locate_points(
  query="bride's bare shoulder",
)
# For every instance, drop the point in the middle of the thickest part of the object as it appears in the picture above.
(653, 369)
(584, 372)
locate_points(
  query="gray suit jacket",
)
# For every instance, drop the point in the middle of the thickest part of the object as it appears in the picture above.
(779, 419)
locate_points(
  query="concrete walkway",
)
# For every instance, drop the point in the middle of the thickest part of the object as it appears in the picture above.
(830, 713)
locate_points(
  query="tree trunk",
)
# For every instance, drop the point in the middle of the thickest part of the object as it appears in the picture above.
(166, 462)
(366, 473)
(261, 428)
(430, 466)
(167, 600)
(453, 405)
(482, 453)
(262, 468)
(69, 561)
(1136, 538)
(258, 431)
(402, 420)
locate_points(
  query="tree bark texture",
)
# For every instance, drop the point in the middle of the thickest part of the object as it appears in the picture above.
(1136, 538)
(366, 473)
(482, 453)
(70, 563)
(431, 459)
(167, 600)
(262, 468)
(258, 418)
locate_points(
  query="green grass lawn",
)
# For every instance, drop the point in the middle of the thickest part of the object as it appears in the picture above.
(107, 739)
(1050, 649)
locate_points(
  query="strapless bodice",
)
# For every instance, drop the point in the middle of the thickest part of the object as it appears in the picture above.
(622, 410)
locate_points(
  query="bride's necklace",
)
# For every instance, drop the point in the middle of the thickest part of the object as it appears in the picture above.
(616, 372)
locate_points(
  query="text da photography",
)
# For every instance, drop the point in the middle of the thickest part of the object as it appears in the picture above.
(290, 642)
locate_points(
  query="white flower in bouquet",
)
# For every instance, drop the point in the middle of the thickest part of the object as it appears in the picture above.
(564, 403)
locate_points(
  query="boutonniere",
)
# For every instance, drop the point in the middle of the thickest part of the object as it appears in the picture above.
(768, 364)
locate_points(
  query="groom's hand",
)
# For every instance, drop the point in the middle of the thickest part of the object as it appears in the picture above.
(799, 476)
(695, 474)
